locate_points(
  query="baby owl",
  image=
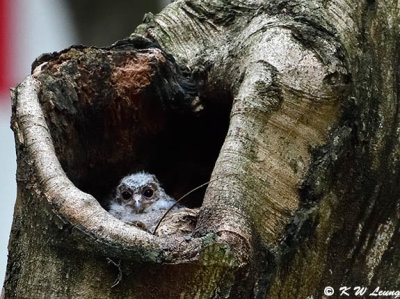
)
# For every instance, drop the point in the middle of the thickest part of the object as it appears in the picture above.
(139, 199)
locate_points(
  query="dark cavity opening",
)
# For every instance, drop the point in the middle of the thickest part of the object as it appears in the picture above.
(181, 154)
(109, 112)
(101, 137)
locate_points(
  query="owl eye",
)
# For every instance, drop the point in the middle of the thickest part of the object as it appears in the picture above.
(126, 195)
(148, 192)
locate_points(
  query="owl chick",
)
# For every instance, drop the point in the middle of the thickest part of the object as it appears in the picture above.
(140, 200)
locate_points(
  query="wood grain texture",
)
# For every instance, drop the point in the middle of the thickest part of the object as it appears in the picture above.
(289, 107)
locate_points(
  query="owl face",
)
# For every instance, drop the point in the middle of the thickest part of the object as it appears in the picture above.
(138, 191)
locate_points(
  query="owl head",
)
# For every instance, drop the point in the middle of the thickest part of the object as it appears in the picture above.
(138, 191)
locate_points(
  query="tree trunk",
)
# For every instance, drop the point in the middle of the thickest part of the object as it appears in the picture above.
(291, 108)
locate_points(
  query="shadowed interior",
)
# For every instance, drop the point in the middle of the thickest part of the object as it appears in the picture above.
(112, 119)
(181, 154)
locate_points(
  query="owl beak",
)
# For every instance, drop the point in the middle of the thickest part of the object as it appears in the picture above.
(137, 201)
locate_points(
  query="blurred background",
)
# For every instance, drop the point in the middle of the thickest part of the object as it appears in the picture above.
(29, 28)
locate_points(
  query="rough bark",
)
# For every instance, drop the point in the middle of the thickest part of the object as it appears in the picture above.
(293, 106)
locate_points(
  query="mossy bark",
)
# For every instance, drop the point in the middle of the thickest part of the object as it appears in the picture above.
(292, 109)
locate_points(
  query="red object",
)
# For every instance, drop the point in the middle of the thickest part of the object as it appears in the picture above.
(5, 48)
